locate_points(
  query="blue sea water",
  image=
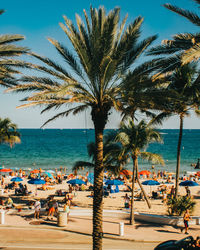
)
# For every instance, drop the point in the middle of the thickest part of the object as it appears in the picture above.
(52, 148)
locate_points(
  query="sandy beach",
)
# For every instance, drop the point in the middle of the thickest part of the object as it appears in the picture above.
(21, 219)
(83, 199)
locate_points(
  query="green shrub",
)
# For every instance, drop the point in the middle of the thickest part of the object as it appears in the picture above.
(177, 206)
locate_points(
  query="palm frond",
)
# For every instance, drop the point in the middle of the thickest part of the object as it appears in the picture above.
(192, 17)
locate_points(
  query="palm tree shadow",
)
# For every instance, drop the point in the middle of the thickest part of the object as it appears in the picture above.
(148, 225)
(168, 231)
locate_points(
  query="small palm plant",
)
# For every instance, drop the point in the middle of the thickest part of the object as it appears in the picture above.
(177, 206)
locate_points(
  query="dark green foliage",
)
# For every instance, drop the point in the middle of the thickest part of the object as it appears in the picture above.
(177, 206)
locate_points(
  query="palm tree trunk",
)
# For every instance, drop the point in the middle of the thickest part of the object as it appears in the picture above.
(142, 189)
(98, 191)
(132, 192)
(178, 155)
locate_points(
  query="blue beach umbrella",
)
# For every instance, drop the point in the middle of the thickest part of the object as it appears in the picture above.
(16, 179)
(76, 181)
(50, 171)
(49, 175)
(114, 182)
(150, 183)
(188, 183)
(36, 182)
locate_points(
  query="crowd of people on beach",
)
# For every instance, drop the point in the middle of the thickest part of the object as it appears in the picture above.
(51, 205)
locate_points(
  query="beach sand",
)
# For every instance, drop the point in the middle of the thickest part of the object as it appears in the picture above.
(115, 201)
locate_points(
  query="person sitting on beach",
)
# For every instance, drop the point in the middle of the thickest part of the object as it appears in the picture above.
(9, 203)
(188, 193)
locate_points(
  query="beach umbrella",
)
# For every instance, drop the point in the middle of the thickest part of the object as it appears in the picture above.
(35, 171)
(114, 182)
(36, 182)
(5, 170)
(144, 172)
(188, 184)
(126, 172)
(198, 173)
(16, 179)
(76, 181)
(50, 171)
(151, 183)
(49, 175)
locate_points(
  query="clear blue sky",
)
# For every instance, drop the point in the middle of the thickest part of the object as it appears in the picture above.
(39, 19)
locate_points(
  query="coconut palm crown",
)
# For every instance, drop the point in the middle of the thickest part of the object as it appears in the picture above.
(185, 84)
(112, 161)
(135, 138)
(103, 51)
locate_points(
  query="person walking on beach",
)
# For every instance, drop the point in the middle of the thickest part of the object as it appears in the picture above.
(67, 209)
(186, 218)
(172, 193)
(51, 209)
(37, 206)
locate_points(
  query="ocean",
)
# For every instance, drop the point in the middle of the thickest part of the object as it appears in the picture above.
(53, 148)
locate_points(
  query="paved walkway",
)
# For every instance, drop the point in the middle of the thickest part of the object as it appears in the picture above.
(80, 221)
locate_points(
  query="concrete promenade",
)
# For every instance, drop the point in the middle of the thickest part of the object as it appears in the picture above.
(43, 234)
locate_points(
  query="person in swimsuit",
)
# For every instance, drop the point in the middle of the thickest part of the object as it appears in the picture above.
(186, 218)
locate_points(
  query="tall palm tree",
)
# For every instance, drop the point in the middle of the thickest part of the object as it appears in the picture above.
(8, 51)
(112, 160)
(135, 138)
(104, 50)
(184, 83)
(8, 132)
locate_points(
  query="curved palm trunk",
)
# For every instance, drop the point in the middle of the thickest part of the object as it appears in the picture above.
(132, 192)
(179, 155)
(142, 189)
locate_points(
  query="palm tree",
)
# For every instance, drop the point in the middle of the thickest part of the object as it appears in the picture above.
(8, 132)
(135, 138)
(112, 160)
(103, 52)
(183, 46)
(184, 83)
(8, 51)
